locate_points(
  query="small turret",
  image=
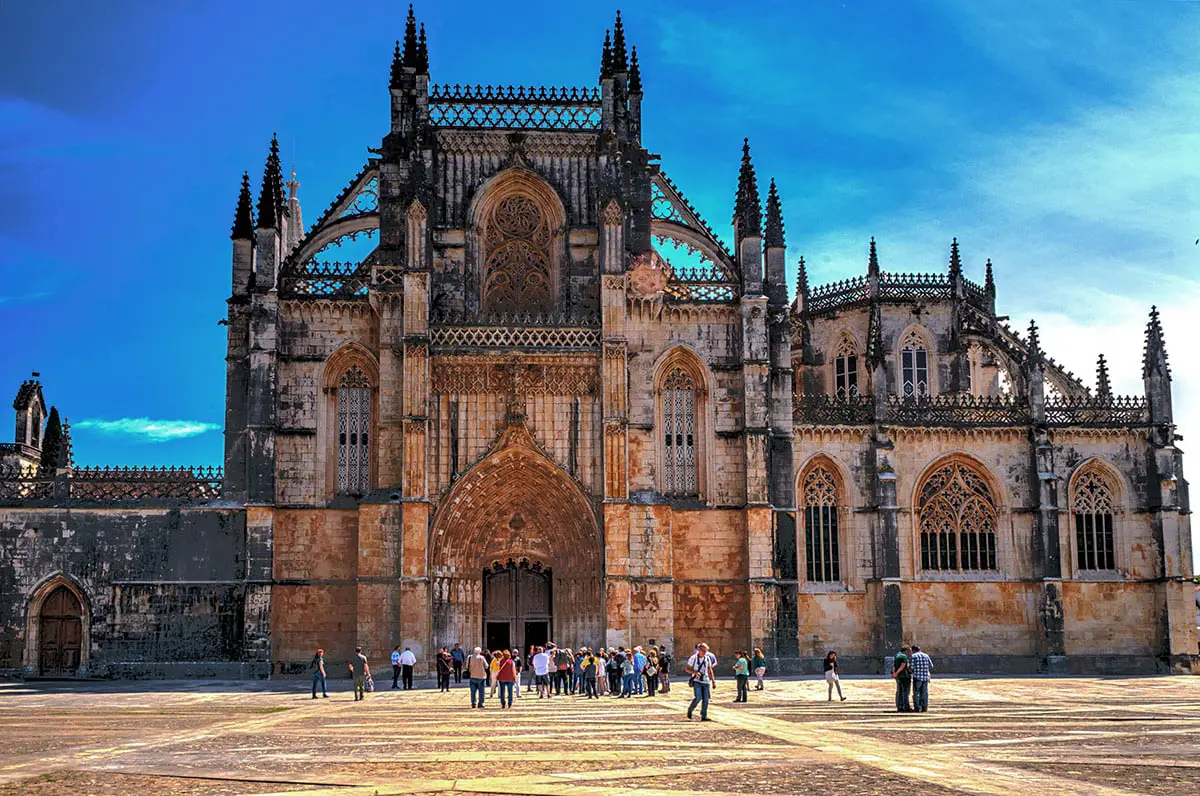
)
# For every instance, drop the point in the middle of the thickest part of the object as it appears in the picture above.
(397, 67)
(242, 236)
(422, 60)
(774, 230)
(606, 59)
(1156, 371)
(619, 53)
(775, 250)
(270, 197)
(243, 215)
(873, 261)
(411, 56)
(747, 225)
(957, 286)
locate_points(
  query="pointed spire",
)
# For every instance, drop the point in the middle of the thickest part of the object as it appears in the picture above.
(606, 57)
(873, 260)
(747, 210)
(410, 38)
(1155, 353)
(620, 62)
(802, 279)
(989, 281)
(66, 451)
(1035, 344)
(270, 197)
(876, 354)
(422, 62)
(955, 261)
(1103, 387)
(774, 235)
(397, 67)
(635, 74)
(243, 216)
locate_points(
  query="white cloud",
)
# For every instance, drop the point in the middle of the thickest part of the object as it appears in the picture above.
(143, 429)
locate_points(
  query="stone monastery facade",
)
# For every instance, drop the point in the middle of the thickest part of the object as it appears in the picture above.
(550, 403)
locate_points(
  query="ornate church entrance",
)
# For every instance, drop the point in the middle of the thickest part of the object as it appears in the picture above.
(507, 525)
(516, 605)
(60, 633)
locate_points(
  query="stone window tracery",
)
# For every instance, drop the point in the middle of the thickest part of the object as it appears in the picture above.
(679, 434)
(845, 370)
(956, 518)
(821, 548)
(914, 366)
(353, 432)
(1093, 502)
(517, 270)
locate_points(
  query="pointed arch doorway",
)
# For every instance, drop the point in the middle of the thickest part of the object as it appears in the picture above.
(515, 552)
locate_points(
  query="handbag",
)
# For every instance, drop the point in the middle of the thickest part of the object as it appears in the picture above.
(370, 684)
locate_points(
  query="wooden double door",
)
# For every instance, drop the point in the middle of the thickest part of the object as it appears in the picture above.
(60, 633)
(517, 604)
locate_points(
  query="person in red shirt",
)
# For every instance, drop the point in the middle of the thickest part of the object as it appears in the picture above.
(507, 677)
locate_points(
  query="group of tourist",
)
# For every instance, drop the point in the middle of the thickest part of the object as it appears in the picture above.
(552, 671)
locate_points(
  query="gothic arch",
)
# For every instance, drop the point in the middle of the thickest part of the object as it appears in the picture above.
(516, 242)
(823, 494)
(958, 507)
(355, 361)
(846, 344)
(682, 425)
(914, 334)
(516, 503)
(1096, 487)
(33, 616)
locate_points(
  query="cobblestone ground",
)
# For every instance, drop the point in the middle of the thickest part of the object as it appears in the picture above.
(982, 735)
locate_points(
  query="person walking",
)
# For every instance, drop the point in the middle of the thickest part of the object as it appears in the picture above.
(493, 670)
(360, 671)
(702, 667)
(902, 674)
(922, 666)
(831, 675)
(318, 667)
(541, 673)
(458, 656)
(395, 667)
(444, 664)
(664, 668)
(651, 671)
(529, 668)
(506, 675)
(758, 664)
(477, 672)
(407, 661)
(741, 670)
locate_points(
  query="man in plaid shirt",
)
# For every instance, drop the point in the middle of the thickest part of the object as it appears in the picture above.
(921, 665)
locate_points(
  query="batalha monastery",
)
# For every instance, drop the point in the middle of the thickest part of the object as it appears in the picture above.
(548, 402)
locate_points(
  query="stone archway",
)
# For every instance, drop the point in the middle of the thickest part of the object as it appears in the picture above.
(516, 508)
(57, 630)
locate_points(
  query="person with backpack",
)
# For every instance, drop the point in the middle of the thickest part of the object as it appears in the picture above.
(702, 667)
(444, 665)
(318, 670)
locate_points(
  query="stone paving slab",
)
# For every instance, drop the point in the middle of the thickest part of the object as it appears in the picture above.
(982, 735)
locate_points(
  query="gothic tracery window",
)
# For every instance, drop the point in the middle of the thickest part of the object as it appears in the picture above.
(679, 434)
(845, 370)
(353, 432)
(1092, 503)
(517, 271)
(914, 366)
(956, 517)
(820, 502)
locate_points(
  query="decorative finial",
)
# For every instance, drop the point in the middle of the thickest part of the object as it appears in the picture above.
(873, 260)
(1154, 355)
(802, 279)
(1103, 387)
(243, 216)
(635, 74)
(989, 281)
(397, 67)
(270, 196)
(774, 231)
(1035, 344)
(955, 261)
(620, 62)
(606, 57)
(747, 213)
(422, 53)
(410, 38)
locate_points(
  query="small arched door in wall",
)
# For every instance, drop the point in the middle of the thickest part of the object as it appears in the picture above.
(60, 635)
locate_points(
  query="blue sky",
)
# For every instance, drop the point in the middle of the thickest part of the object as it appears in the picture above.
(1061, 141)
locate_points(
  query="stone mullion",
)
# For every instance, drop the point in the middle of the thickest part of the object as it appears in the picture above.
(389, 431)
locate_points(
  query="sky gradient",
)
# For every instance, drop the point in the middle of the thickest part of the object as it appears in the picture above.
(1062, 142)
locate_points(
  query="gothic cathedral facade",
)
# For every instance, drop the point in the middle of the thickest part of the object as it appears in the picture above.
(548, 402)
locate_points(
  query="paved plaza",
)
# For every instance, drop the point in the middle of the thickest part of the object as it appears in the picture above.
(982, 735)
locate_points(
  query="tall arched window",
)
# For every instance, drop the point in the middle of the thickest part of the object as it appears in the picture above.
(820, 502)
(517, 276)
(845, 370)
(956, 516)
(1092, 503)
(354, 432)
(914, 366)
(679, 434)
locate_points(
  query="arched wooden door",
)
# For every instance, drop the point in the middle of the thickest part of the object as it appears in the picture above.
(60, 633)
(516, 606)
